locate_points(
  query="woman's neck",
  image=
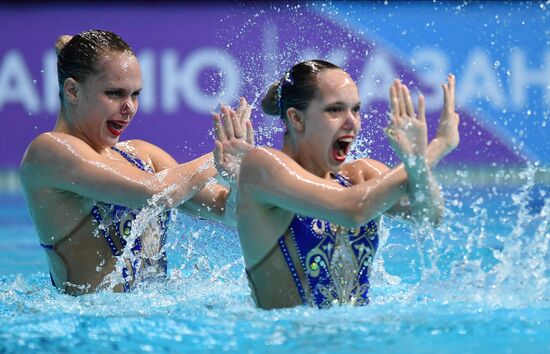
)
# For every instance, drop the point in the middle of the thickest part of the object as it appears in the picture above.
(63, 125)
(300, 154)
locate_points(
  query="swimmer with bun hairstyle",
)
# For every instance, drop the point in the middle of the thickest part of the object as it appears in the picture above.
(85, 187)
(308, 219)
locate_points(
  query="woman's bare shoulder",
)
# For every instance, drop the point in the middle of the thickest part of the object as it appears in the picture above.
(361, 170)
(48, 146)
(137, 144)
(267, 159)
(148, 152)
(52, 153)
(263, 154)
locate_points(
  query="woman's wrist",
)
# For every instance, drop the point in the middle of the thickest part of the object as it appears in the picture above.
(437, 149)
(416, 166)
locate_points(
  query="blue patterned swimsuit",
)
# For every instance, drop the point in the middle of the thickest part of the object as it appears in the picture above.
(116, 221)
(335, 260)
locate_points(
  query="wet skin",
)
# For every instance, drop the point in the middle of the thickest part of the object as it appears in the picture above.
(276, 185)
(65, 171)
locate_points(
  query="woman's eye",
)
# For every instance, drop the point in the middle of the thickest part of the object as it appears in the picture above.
(333, 109)
(135, 94)
(113, 93)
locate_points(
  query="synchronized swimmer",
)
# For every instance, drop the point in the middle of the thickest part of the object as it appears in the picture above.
(307, 220)
(84, 188)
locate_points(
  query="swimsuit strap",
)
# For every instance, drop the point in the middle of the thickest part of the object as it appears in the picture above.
(263, 260)
(55, 245)
(71, 233)
(292, 268)
(106, 235)
(280, 245)
(342, 180)
(136, 161)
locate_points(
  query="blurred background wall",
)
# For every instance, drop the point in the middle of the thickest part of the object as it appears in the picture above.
(194, 57)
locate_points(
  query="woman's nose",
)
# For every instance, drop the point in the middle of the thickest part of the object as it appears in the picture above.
(349, 123)
(128, 108)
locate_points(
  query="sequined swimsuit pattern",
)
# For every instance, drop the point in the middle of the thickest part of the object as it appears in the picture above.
(336, 260)
(116, 220)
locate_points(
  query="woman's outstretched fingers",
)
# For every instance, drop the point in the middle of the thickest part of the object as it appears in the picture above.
(421, 108)
(401, 99)
(451, 79)
(408, 102)
(241, 107)
(218, 128)
(237, 127)
(249, 133)
(227, 122)
(244, 117)
(394, 102)
(243, 112)
(240, 118)
(449, 93)
(446, 97)
(246, 121)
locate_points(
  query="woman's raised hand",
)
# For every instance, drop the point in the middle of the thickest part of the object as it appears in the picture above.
(447, 132)
(407, 132)
(234, 138)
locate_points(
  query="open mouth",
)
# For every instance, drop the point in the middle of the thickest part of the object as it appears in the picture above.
(115, 128)
(341, 147)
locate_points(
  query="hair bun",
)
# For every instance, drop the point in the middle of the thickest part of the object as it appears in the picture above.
(61, 42)
(270, 102)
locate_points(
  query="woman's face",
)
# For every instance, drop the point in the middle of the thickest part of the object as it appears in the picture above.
(108, 101)
(332, 120)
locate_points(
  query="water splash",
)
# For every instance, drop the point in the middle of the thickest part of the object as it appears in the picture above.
(492, 250)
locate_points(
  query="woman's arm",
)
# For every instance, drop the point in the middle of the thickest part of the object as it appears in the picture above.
(62, 162)
(364, 169)
(446, 140)
(234, 138)
(213, 201)
(274, 180)
(425, 198)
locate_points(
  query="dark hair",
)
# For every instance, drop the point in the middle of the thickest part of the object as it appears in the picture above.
(78, 56)
(297, 88)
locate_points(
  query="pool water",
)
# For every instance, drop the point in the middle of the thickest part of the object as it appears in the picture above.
(477, 284)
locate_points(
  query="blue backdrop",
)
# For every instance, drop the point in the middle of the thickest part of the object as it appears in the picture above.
(193, 57)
